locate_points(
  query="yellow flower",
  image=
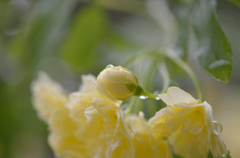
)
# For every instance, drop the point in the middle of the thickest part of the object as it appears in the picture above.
(118, 136)
(47, 95)
(89, 131)
(117, 82)
(85, 124)
(50, 101)
(101, 124)
(146, 145)
(189, 125)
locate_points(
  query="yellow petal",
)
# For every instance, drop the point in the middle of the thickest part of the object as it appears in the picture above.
(47, 95)
(194, 122)
(175, 96)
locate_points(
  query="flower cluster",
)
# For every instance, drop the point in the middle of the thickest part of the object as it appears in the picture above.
(89, 123)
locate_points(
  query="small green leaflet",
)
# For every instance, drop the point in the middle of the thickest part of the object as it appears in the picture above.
(211, 156)
(177, 156)
(214, 53)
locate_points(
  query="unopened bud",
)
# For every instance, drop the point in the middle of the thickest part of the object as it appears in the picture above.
(117, 82)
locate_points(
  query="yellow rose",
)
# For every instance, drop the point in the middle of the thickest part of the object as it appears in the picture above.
(89, 131)
(50, 101)
(189, 125)
(85, 124)
(145, 144)
(47, 95)
(100, 121)
(117, 82)
(118, 136)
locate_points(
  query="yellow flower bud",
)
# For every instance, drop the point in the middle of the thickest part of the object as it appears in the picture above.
(117, 83)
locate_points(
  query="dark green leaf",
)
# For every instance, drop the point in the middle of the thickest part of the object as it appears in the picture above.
(87, 30)
(214, 54)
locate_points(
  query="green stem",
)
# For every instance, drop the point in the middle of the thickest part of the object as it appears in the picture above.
(146, 81)
(141, 92)
(165, 76)
(150, 95)
(131, 106)
(190, 73)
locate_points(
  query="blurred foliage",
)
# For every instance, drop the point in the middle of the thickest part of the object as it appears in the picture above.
(236, 2)
(67, 38)
(87, 31)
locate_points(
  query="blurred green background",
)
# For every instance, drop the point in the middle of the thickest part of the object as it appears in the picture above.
(68, 38)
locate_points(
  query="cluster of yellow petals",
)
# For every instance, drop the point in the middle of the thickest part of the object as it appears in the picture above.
(90, 124)
(189, 126)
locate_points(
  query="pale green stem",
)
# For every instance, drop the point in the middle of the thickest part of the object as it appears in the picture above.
(165, 76)
(190, 73)
(141, 92)
(131, 106)
(145, 93)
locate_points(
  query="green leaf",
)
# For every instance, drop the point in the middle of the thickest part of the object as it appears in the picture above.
(214, 54)
(87, 30)
(228, 155)
(177, 156)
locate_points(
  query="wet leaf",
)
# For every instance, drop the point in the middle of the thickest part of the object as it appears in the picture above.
(214, 53)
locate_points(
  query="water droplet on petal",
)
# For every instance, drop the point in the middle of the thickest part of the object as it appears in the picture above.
(110, 65)
(157, 98)
(143, 97)
(217, 128)
(223, 156)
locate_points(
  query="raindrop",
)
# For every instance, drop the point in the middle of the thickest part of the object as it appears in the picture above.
(218, 63)
(110, 65)
(217, 128)
(157, 98)
(143, 97)
(223, 156)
